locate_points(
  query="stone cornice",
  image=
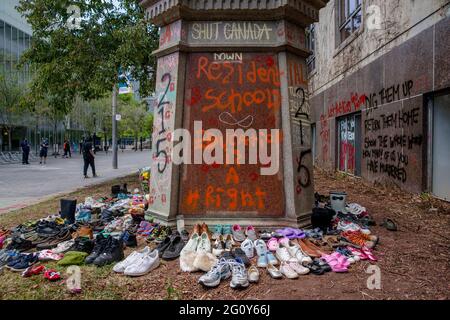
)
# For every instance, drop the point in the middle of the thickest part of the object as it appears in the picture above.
(301, 12)
(184, 47)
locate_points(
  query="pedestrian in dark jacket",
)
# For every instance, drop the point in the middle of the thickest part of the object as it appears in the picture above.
(88, 157)
(44, 150)
(25, 151)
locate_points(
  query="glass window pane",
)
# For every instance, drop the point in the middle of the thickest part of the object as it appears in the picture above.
(357, 21)
(352, 6)
(346, 30)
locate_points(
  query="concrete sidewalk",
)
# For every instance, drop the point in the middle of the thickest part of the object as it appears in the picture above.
(21, 185)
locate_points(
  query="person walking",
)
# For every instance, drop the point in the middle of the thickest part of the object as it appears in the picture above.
(81, 145)
(66, 148)
(88, 157)
(25, 151)
(44, 150)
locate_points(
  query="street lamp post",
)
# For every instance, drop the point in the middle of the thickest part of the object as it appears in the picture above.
(114, 126)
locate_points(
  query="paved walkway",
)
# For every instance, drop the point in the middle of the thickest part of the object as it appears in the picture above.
(21, 185)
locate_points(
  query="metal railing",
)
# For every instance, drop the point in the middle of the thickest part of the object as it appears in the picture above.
(8, 157)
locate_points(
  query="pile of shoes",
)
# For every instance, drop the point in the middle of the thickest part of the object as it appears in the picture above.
(336, 241)
(99, 231)
(92, 232)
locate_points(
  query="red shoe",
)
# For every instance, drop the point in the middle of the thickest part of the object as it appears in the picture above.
(33, 270)
(52, 275)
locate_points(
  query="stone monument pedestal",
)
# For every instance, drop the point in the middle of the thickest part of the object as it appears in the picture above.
(228, 68)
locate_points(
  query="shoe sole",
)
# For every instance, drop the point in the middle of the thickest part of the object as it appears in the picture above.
(142, 273)
(239, 286)
(18, 270)
(217, 282)
(21, 270)
(261, 265)
(211, 284)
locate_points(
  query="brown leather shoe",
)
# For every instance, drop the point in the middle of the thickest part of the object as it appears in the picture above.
(197, 229)
(322, 245)
(84, 231)
(204, 228)
(314, 247)
(307, 250)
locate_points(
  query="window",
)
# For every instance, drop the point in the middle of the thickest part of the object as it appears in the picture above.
(350, 15)
(311, 45)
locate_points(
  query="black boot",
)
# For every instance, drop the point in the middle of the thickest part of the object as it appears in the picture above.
(112, 253)
(99, 247)
(68, 208)
(128, 238)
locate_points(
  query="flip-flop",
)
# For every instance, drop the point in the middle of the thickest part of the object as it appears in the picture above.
(368, 253)
(299, 234)
(315, 269)
(357, 253)
(336, 263)
(287, 232)
(355, 209)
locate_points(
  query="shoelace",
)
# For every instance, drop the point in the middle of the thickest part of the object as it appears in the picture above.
(284, 253)
(217, 268)
(238, 271)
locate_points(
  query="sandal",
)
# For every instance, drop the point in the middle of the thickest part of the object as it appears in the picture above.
(368, 253)
(265, 235)
(323, 264)
(357, 253)
(389, 224)
(355, 209)
(316, 269)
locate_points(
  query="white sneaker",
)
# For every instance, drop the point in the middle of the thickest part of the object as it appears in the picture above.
(192, 244)
(248, 248)
(204, 244)
(130, 260)
(351, 226)
(287, 271)
(297, 253)
(63, 246)
(143, 265)
(283, 254)
(260, 247)
(301, 270)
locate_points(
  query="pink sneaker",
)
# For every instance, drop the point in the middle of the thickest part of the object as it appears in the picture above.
(273, 244)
